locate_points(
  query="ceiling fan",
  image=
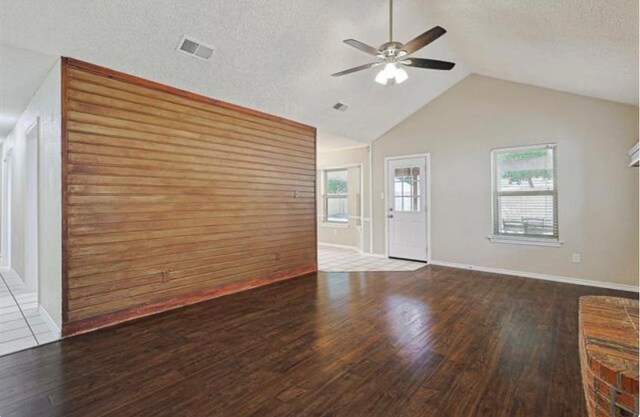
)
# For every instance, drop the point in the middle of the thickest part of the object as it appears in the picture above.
(392, 54)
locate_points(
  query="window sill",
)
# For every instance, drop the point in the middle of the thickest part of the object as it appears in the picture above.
(525, 241)
(337, 225)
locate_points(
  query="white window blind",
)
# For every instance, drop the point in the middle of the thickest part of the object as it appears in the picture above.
(525, 192)
(335, 196)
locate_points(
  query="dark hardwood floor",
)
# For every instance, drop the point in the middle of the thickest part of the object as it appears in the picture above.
(435, 342)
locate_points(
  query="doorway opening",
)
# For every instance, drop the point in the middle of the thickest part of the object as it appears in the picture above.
(341, 224)
(24, 323)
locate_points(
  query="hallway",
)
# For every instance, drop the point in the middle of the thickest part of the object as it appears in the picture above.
(21, 324)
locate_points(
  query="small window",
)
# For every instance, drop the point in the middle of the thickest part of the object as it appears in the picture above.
(406, 189)
(525, 192)
(335, 196)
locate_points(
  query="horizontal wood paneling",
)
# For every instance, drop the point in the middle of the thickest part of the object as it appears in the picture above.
(170, 197)
(141, 243)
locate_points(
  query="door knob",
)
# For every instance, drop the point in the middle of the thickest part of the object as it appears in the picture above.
(390, 216)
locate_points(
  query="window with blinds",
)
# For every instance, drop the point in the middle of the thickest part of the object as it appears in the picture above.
(525, 192)
(336, 196)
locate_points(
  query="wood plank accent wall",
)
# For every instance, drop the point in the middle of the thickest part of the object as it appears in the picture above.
(170, 198)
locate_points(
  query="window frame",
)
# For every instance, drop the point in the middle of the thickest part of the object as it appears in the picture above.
(326, 197)
(526, 239)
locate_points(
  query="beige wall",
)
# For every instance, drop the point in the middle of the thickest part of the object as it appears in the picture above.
(356, 232)
(598, 193)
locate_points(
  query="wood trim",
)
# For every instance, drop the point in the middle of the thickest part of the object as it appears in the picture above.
(64, 67)
(71, 62)
(128, 314)
(315, 205)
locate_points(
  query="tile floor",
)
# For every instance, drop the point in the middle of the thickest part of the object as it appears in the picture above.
(21, 325)
(332, 259)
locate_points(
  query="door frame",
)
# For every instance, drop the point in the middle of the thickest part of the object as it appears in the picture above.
(427, 211)
(32, 206)
(7, 202)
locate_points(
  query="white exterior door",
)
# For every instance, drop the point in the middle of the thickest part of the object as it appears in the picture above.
(407, 207)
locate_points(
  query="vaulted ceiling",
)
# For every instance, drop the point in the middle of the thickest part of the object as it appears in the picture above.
(271, 55)
(587, 47)
(277, 55)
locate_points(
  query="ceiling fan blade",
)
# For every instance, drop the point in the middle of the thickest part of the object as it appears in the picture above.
(362, 46)
(428, 63)
(424, 39)
(354, 69)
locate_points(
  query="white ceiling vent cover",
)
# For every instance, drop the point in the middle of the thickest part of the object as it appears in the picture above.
(195, 48)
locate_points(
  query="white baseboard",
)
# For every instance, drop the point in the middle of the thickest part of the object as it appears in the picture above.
(334, 245)
(43, 313)
(374, 255)
(9, 271)
(50, 323)
(556, 278)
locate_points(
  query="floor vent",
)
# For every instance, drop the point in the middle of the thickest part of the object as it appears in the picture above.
(195, 48)
(340, 106)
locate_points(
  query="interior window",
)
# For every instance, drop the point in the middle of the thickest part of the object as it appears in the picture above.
(335, 195)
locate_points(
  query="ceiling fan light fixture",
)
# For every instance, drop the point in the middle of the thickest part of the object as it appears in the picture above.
(394, 54)
(391, 75)
(390, 70)
(401, 76)
(381, 78)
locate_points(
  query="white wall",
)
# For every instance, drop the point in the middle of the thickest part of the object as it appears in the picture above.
(45, 105)
(357, 231)
(598, 193)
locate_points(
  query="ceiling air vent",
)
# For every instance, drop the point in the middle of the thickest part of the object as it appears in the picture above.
(195, 48)
(340, 106)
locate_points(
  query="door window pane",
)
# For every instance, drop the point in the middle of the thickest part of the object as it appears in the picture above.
(406, 189)
(397, 206)
(416, 203)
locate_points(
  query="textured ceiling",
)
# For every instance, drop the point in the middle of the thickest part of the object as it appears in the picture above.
(587, 47)
(271, 55)
(21, 73)
(327, 141)
(277, 55)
